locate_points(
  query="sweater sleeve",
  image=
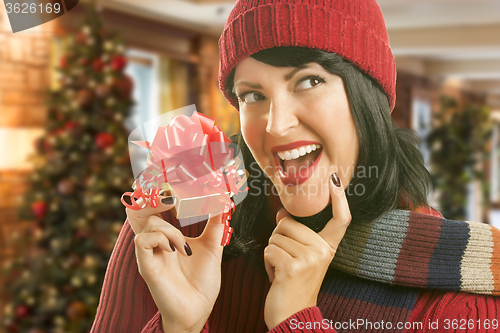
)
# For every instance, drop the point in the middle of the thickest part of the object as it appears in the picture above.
(308, 320)
(154, 325)
(125, 303)
(439, 311)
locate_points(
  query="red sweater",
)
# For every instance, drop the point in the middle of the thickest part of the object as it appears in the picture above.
(127, 306)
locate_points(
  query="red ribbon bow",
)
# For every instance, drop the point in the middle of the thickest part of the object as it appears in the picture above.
(192, 154)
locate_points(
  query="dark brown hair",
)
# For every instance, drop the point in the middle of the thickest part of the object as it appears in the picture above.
(402, 181)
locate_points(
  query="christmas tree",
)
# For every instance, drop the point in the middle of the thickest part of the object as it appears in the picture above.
(458, 145)
(81, 169)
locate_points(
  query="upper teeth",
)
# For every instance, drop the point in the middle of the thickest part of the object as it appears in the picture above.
(295, 153)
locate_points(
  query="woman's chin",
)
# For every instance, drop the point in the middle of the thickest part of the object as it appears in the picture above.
(307, 199)
(303, 206)
(314, 219)
(302, 211)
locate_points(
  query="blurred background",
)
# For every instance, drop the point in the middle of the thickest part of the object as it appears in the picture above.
(72, 89)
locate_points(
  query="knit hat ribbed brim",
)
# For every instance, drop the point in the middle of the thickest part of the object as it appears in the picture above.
(354, 29)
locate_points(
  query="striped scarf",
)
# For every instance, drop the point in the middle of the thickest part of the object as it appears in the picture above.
(381, 267)
(411, 249)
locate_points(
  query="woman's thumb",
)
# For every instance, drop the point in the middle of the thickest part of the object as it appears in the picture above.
(214, 231)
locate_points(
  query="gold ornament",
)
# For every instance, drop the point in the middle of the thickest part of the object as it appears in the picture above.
(89, 261)
(8, 310)
(110, 101)
(108, 45)
(76, 282)
(86, 30)
(55, 244)
(91, 279)
(59, 321)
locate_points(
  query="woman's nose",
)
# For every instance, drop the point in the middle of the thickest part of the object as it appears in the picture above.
(281, 117)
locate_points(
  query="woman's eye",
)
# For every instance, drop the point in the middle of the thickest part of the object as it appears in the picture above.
(250, 97)
(309, 82)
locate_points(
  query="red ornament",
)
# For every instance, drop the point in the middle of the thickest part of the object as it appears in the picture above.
(76, 310)
(102, 90)
(84, 97)
(22, 311)
(74, 129)
(118, 63)
(104, 140)
(80, 38)
(39, 208)
(66, 187)
(71, 124)
(124, 86)
(81, 234)
(46, 146)
(98, 65)
(83, 61)
(63, 62)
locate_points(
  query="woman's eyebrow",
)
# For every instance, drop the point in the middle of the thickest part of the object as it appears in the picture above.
(287, 77)
(294, 71)
(251, 85)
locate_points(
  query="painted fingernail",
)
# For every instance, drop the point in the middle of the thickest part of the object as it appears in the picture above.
(336, 179)
(168, 200)
(127, 199)
(188, 249)
(172, 246)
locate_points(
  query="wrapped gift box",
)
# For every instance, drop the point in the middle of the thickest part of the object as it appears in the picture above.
(192, 159)
(189, 204)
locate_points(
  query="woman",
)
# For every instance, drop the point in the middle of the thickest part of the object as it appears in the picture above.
(314, 84)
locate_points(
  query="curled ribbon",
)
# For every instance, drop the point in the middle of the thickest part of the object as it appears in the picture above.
(191, 155)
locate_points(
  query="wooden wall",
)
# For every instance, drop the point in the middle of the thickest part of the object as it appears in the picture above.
(24, 77)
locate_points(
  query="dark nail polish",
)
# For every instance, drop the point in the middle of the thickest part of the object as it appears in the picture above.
(168, 200)
(336, 179)
(127, 199)
(172, 246)
(188, 249)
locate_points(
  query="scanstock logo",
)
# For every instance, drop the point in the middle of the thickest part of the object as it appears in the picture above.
(26, 14)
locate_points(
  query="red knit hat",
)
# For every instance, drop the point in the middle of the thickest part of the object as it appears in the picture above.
(354, 29)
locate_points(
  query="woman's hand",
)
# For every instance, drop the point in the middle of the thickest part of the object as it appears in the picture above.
(297, 259)
(183, 274)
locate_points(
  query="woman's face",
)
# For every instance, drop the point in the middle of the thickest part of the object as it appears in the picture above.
(298, 126)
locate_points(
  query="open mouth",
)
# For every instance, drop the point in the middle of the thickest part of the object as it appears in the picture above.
(297, 165)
